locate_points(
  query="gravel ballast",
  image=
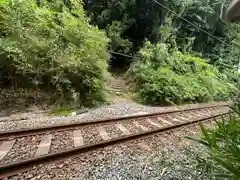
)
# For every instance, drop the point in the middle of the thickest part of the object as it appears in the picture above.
(90, 135)
(112, 131)
(61, 141)
(171, 157)
(34, 120)
(23, 148)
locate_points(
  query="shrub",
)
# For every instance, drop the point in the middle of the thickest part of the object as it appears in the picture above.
(165, 78)
(53, 47)
(223, 146)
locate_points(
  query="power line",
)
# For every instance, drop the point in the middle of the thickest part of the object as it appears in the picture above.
(165, 7)
(228, 25)
(121, 54)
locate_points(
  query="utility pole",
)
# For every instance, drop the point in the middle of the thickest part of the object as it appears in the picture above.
(221, 13)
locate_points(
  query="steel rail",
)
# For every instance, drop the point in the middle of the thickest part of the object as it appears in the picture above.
(13, 168)
(63, 127)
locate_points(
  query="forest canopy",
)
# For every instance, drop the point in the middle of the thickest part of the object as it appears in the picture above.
(135, 22)
(184, 51)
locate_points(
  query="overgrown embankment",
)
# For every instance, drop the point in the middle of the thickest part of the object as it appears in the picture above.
(51, 47)
(165, 76)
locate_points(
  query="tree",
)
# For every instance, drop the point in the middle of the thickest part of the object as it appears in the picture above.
(131, 21)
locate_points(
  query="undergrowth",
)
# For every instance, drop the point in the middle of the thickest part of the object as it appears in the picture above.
(61, 110)
(223, 144)
(189, 162)
(164, 77)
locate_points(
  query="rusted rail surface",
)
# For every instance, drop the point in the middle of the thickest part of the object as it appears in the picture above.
(13, 168)
(33, 131)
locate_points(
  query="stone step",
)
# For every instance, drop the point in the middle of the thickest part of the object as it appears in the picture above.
(117, 87)
(117, 83)
(117, 90)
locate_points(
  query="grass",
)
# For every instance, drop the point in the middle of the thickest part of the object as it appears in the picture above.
(60, 111)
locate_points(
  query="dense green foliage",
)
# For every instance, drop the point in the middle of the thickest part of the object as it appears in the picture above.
(136, 21)
(165, 77)
(184, 51)
(52, 47)
(223, 146)
(129, 20)
(193, 53)
(222, 142)
(220, 45)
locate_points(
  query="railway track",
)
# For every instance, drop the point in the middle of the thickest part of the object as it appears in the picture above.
(22, 149)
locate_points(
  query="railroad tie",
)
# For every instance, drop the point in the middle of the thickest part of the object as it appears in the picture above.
(44, 145)
(154, 123)
(201, 114)
(183, 118)
(196, 114)
(140, 126)
(5, 147)
(164, 121)
(123, 129)
(190, 116)
(140, 113)
(104, 135)
(78, 138)
(207, 110)
(210, 112)
(174, 119)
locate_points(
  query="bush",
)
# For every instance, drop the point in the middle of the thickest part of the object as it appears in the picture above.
(223, 146)
(165, 78)
(222, 142)
(52, 47)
